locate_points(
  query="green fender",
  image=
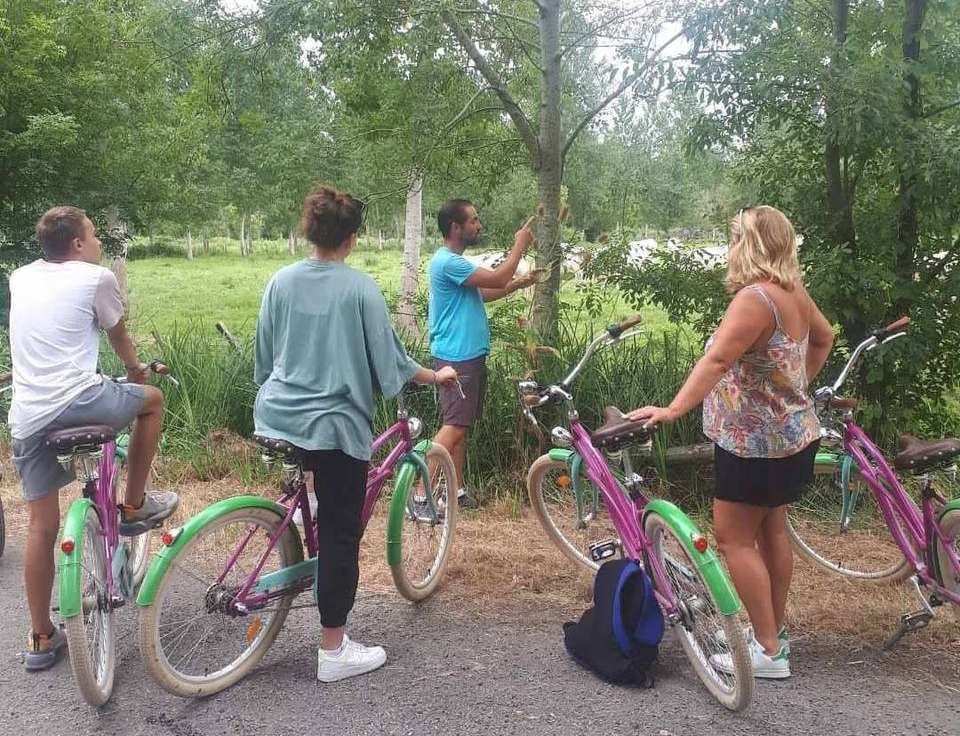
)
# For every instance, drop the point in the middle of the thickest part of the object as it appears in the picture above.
(707, 562)
(409, 468)
(71, 564)
(561, 454)
(163, 558)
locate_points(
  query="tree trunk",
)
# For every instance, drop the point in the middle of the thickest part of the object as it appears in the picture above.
(243, 234)
(189, 246)
(412, 237)
(119, 267)
(549, 174)
(840, 197)
(206, 241)
(379, 239)
(908, 179)
(292, 243)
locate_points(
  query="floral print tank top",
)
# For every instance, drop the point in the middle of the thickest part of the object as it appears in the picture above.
(761, 406)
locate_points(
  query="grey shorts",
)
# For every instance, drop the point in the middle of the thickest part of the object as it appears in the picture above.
(111, 403)
(457, 411)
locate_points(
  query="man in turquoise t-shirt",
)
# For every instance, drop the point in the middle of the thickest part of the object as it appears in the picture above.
(459, 333)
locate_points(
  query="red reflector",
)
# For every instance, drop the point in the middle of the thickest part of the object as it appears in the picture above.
(700, 544)
(67, 546)
(168, 539)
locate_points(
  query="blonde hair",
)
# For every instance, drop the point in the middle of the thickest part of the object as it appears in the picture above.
(763, 247)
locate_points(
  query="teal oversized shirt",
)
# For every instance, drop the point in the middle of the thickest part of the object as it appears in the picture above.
(324, 348)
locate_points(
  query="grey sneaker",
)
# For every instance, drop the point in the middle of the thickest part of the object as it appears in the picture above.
(42, 652)
(352, 659)
(466, 501)
(156, 507)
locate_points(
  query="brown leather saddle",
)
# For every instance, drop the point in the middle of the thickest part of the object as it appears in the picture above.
(617, 431)
(919, 456)
(80, 439)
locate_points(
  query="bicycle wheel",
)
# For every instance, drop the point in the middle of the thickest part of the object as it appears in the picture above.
(865, 550)
(138, 547)
(700, 621)
(91, 636)
(194, 641)
(950, 526)
(424, 539)
(550, 487)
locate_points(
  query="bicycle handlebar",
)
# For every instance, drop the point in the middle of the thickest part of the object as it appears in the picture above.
(531, 396)
(892, 331)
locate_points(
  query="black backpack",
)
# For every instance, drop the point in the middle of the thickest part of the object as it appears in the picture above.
(618, 638)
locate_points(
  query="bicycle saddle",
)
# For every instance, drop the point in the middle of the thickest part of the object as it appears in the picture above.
(617, 431)
(918, 456)
(66, 441)
(279, 447)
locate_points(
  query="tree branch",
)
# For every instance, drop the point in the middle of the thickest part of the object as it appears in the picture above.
(520, 120)
(595, 31)
(624, 86)
(944, 108)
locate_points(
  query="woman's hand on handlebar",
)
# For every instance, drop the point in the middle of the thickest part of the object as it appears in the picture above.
(652, 416)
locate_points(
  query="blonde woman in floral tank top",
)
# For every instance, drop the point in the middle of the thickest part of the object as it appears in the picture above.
(752, 381)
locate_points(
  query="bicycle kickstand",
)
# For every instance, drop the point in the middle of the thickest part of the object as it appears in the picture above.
(914, 621)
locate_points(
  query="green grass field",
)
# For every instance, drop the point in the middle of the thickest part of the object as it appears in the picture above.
(227, 287)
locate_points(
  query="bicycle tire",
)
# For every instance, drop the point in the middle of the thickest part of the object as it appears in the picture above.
(93, 667)
(950, 526)
(424, 543)
(865, 551)
(161, 631)
(700, 620)
(552, 500)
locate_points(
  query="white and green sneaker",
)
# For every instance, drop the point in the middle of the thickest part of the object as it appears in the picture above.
(783, 635)
(775, 667)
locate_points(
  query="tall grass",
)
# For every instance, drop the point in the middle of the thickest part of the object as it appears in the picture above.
(217, 392)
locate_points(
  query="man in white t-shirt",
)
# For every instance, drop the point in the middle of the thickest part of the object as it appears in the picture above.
(58, 306)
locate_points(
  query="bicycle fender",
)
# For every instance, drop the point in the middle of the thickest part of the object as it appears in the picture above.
(954, 505)
(724, 594)
(163, 558)
(71, 563)
(561, 454)
(413, 464)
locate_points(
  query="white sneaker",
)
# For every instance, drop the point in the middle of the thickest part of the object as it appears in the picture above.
(720, 637)
(352, 659)
(298, 515)
(776, 667)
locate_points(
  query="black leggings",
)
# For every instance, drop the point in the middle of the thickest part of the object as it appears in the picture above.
(340, 482)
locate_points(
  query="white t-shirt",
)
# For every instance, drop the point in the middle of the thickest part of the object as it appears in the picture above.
(56, 313)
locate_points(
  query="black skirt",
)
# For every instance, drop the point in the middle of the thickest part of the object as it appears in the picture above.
(763, 481)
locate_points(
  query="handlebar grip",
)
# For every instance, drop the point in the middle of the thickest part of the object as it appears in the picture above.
(531, 401)
(619, 329)
(893, 327)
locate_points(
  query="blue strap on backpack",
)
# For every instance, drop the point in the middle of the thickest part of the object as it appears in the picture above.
(648, 627)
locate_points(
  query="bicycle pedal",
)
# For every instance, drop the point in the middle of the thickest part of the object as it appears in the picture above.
(604, 550)
(909, 622)
(117, 601)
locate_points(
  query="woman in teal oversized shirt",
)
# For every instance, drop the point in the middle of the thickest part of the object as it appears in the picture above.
(324, 348)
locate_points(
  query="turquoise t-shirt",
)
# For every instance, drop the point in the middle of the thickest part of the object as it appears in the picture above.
(458, 320)
(324, 348)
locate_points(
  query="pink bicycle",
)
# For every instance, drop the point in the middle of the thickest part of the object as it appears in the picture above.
(592, 515)
(862, 521)
(218, 592)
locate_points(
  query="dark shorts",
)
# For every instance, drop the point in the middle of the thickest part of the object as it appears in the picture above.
(457, 411)
(763, 481)
(111, 403)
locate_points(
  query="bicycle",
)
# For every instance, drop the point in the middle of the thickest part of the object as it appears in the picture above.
(99, 569)
(219, 590)
(591, 515)
(925, 536)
